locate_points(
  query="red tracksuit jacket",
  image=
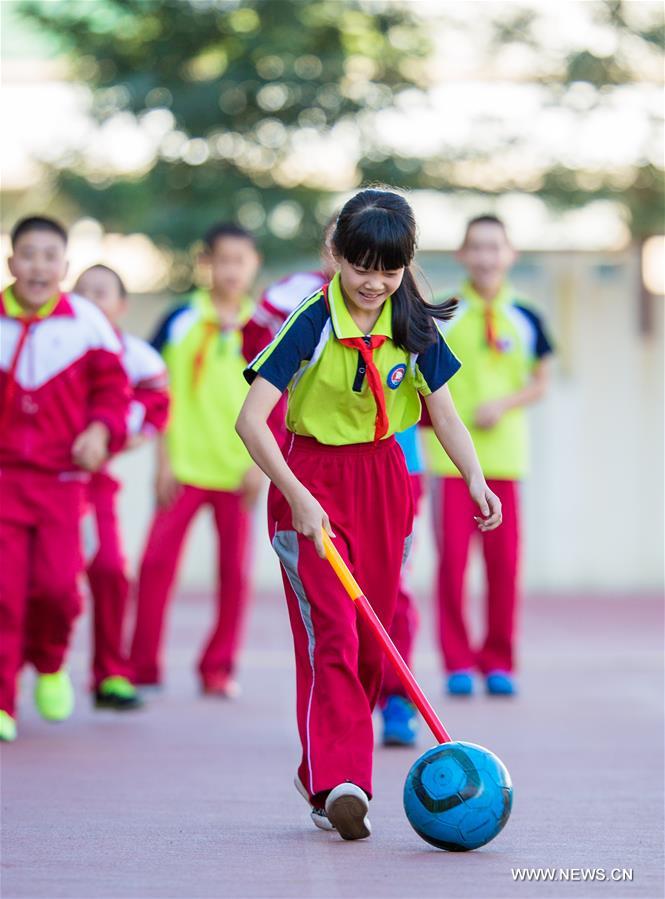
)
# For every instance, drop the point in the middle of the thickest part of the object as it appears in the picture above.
(57, 375)
(148, 377)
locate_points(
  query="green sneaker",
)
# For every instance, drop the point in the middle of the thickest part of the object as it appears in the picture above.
(117, 693)
(54, 696)
(7, 727)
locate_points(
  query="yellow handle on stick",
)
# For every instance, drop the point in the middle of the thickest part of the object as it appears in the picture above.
(349, 583)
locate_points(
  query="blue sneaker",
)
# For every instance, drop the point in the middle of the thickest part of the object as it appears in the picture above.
(400, 722)
(460, 683)
(501, 683)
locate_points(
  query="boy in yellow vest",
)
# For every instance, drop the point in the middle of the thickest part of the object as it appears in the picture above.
(504, 350)
(202, 461)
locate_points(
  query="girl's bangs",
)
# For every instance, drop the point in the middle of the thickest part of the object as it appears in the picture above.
(380, 259)
(377, 245)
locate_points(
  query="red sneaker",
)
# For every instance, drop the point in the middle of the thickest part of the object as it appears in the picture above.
(220, 685)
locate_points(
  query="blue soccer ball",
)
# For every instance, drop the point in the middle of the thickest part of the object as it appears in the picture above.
(458, 796)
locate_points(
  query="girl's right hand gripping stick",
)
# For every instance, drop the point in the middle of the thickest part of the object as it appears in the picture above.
(408, 680)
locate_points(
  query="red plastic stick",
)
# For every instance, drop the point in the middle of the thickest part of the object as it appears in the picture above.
(408, 680)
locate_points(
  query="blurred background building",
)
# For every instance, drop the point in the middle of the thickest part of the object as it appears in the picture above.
(139, 122)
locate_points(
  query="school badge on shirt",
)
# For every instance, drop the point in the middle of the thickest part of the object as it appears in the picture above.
(396, 376)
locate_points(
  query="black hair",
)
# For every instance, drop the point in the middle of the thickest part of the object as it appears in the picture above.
(487, 219)
(99, 266)
(226, 229)
(377, 229)
(37, 223)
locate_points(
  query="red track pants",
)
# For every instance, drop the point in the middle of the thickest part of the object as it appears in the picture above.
(158, 571)
(39, 568)
(365, 491)
(454, 512)
(405, 621)
(109, 585)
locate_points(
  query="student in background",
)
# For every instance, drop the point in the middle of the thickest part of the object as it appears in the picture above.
(107, 575)
(504, 349)
(201, 460)
(64, 398)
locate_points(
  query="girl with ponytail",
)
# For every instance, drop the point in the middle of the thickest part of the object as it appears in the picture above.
(356, 357)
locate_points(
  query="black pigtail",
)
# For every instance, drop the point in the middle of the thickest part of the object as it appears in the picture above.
(413, 317)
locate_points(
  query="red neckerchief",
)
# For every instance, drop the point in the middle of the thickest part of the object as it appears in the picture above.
(10, 384)
(490, 328)
(210, 330)
(366, 347)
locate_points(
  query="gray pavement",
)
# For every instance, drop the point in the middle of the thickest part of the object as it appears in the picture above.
(193, 797)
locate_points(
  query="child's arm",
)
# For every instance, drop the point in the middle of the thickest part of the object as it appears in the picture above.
(251, 486)
(149, 409)
(456, 441)
(489, 414)
(252, 425)
(148, 414)
(90, 449)
(166, 484)
(108, 399)
(153, 396)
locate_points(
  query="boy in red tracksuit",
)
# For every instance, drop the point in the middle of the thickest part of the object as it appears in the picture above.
(107, 575)
(64, 398)
(202, 461)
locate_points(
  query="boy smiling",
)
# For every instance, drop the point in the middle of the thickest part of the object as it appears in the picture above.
(63, 405)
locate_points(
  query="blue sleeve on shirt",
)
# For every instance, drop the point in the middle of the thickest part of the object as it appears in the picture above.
(161, 336)
(293, 344)
(438, 363)
(542, 345)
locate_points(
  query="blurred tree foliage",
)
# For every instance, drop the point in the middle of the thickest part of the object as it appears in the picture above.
(234, 93)
(236, 86)
(583, 80)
